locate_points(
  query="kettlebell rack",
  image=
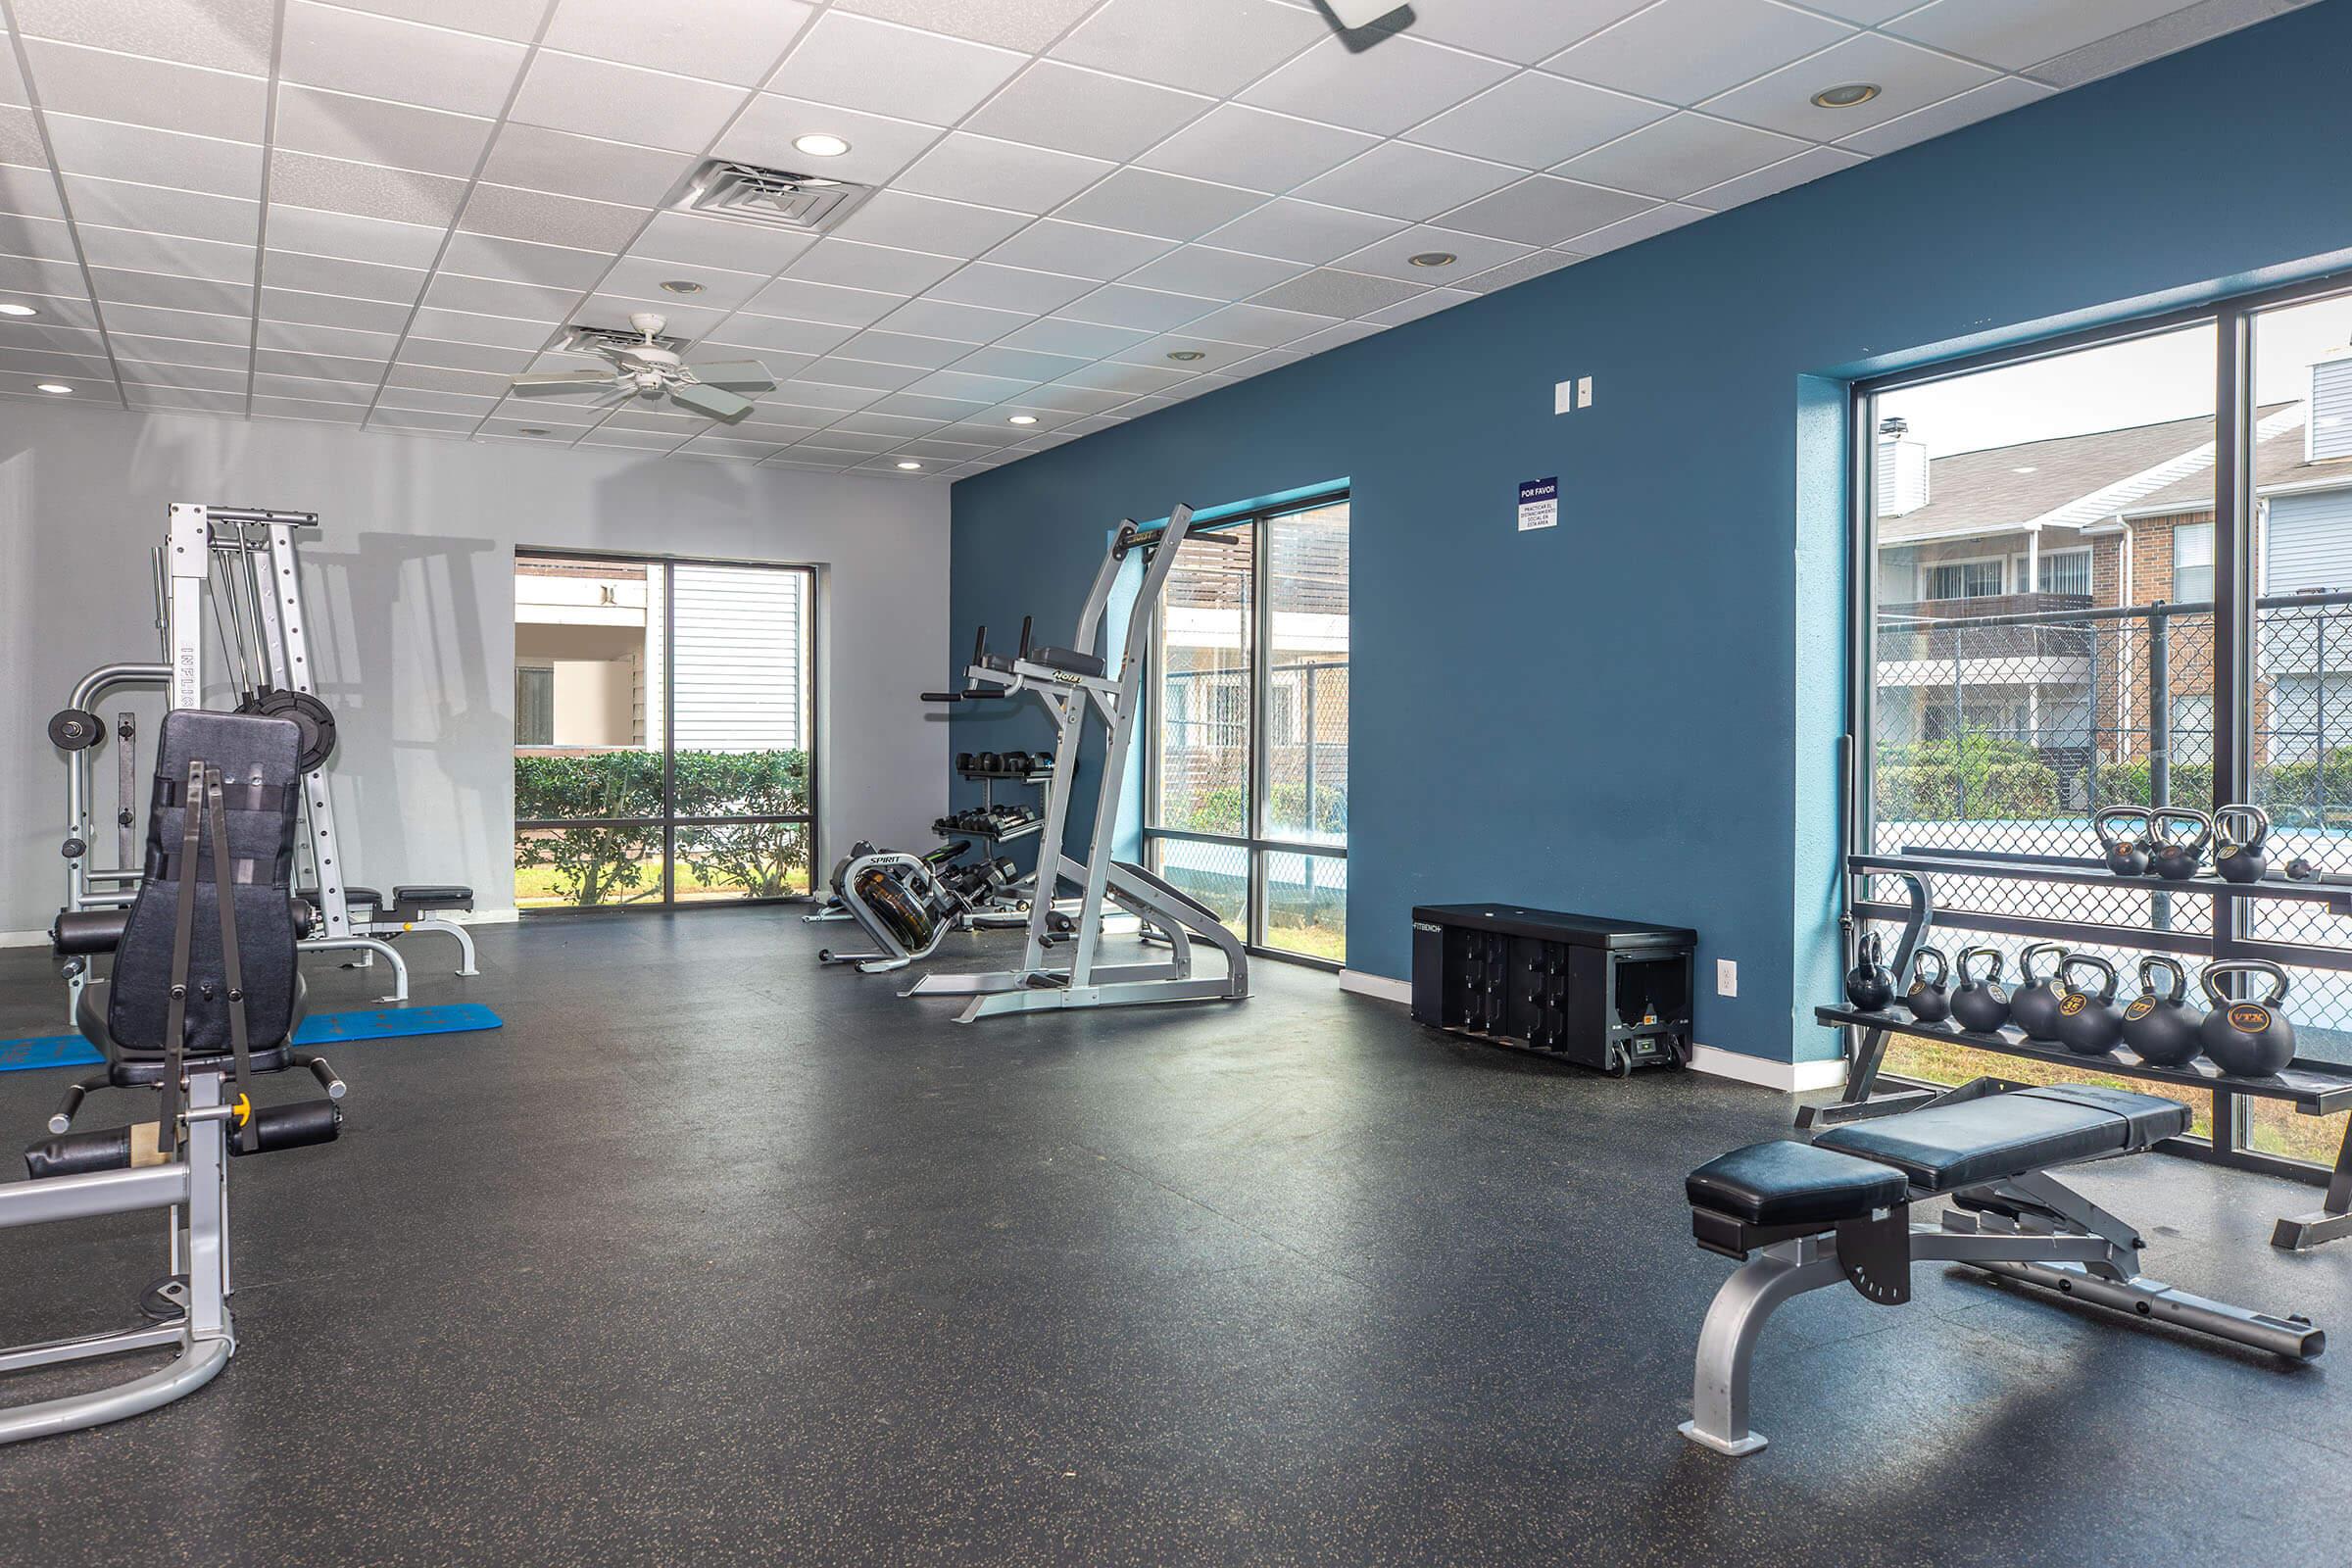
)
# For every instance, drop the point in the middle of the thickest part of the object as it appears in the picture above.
(2314, 1088)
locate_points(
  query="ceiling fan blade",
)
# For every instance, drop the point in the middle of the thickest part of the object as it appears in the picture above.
(744, 376)
(558, 382)
(718, 403)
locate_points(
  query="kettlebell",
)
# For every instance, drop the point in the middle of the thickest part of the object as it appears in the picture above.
(2168, 857)
(1980, 1005)
(2125, 854)
(2251, 1039)
(2089, 1025)
(1868, 985)
(2034, 1007)
(2161, 1030)
(2239, 834)
(1928, 999)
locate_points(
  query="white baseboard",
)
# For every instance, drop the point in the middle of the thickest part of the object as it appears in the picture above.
(1788, 1077)
(1377, 986)
(23, 938)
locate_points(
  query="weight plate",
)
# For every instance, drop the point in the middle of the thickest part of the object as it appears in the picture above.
(74, 729)
(315, 719)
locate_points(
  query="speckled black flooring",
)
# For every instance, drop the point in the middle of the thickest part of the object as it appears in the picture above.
(711, 1257)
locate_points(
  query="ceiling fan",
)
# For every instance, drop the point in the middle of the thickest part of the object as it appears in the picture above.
(646, 369)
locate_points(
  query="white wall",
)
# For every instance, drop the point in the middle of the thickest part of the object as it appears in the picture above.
(412, 594)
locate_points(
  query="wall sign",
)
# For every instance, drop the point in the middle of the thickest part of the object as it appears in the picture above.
(1539, 503)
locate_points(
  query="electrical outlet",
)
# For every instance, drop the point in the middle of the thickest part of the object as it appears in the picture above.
(1563, 398)
(1583, 392)
(1727, 977)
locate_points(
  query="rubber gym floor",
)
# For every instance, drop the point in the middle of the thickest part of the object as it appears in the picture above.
(709, 1256)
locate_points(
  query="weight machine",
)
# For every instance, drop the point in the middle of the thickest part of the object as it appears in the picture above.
(244, 561)
(1073, 684)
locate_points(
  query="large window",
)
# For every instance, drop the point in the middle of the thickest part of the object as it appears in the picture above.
(1248, 801)
(664, 714)
(2179, 495)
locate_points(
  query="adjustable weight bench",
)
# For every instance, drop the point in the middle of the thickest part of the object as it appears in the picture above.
(414, 908)
(1839, 1209)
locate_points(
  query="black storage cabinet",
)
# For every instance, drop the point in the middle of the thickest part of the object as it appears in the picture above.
(1612, 995)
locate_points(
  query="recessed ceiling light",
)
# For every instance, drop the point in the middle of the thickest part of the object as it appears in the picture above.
(1024, 418)
(1434, 259)
(56, 388)
(819, 145)
(1186, 356)
(681, 285)
(10, 308)
(530, 429)
(1848, 96)
(910, 466)
(2027, 469)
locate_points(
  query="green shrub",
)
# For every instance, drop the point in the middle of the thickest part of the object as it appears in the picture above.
(600, 863)
(1226, 809)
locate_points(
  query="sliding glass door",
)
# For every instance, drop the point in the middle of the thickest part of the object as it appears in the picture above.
(1246, 807)
(664, 726)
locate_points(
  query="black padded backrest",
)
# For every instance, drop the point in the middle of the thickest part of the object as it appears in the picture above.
(257, 759)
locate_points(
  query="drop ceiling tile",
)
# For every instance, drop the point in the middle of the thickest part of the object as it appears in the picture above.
(401, 62)
(549, 220)
(1083, 341)
(879, 269)
(871, 430)
(1143, 201)
(313, 389)
(132, 250)
(1129, 381)
(139, 153)
(773, 334)
(2009, 33)
(194, 326)
(182, 398)
(925, 410)
(1386, 89)
(1077, 249)
(1420, 305)
(836, 458)
(1907, 76)
(33, 339)
(965, 384)
(1259, 362)
(1996, 97)
(1533, 265)
(30, 192)
(306, 410)
(1027, 25)
(47, 239)
(606, 308)
(1212, 273)
(1393, 256)
(104, 85)
(1235, 144)
(1543, 211)
(929, 223)
(863, 375)
(1519, 29)
(1259, 324)
(1294, 230)
(366, 190)
(700, 241)
(222, 34)
(759, 425)
(522, 262)
(1397, 180)
(734, 447)
(1010, 288)
(1810, 165)
(349, 236)
(1001, 173)
(430, 379)
(800, 393)
(62, 318)
(1146, 309)
(1077, 401)
(804, 301)
(567, 415)
(1535, 120)
(33, 274)
(342, 341)
(904, 348)
(1020, 365)
(1046, 418)
(963, 323)
(21, 136)
(418, 422)
(490, 358)
(879, 146)
(534, 302)
(369, 130)
(1684, 51)
(862, 64)
(12, 81)
(1331, 337)
(593, 97)
(718, 40)
(187, 377)
(1329, 291)
(937, 451)
(536, 158)
(1681, 154)
(1085, 112)
(608, 435)
(1865, 13)
(50, 366)
(1152, 353)
(172, 293)
(332, 309)
(641, 277)
(118, 204)
(1212, 46)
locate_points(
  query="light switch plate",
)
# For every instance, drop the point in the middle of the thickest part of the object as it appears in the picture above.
(1727, 977)
(1563, 397)
(1583, 393)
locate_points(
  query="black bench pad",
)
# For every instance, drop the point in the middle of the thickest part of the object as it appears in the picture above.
(1968, 1142)
(433, 896)
(1792, 1184)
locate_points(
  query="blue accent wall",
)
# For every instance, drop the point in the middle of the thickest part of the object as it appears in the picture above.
(1637, 713)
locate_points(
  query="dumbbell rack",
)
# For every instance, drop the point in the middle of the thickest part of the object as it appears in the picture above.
(2315, 1087)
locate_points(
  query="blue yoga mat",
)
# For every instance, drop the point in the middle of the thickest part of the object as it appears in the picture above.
(323, 1029)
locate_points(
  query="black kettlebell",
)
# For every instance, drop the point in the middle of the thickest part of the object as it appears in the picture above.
(2251, 1039)
(2161, 1028)
(2034, 1007)
(2125, 854)
(2089, 1023)
(2171, 859)
(1868, 985)
(1980, 1005)
(2239, 834)
(1928, 999)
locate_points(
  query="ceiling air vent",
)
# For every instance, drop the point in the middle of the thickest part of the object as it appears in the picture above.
(579, 339)
(777, 197)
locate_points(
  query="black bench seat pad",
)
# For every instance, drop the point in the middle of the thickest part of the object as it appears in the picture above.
(1792, 1184)
(1944, 1148)
(439, 895)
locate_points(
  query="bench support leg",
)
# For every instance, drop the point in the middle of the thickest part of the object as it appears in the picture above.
(2333, 1220)
(1727, 1343)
